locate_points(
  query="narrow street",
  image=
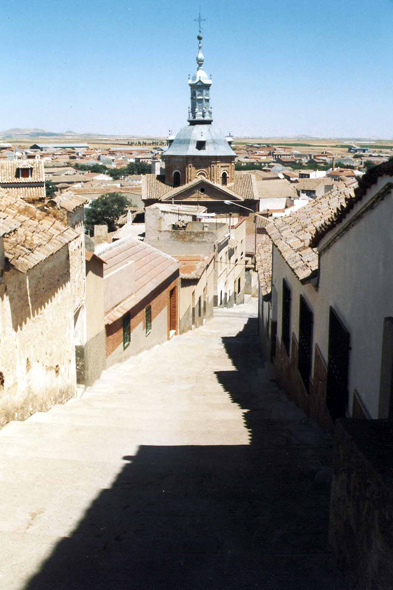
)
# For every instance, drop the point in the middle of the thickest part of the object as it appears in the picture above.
(184, 468)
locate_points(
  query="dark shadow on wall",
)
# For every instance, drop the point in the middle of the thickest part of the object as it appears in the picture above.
(30, 292)
(206, 517)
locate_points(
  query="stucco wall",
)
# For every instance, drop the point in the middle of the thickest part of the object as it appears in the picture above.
(95, 360)
(182, 242)
(186, 299)
(37, 355)
(356, 279)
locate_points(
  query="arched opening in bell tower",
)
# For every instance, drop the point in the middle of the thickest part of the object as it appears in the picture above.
(224, 178)
(176, 178)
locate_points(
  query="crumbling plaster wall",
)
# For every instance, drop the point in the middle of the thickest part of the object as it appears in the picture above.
(37, 355)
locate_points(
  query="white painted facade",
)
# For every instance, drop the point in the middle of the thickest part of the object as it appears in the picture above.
(355, 278)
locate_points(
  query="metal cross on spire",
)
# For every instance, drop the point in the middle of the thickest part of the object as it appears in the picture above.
(200, 20)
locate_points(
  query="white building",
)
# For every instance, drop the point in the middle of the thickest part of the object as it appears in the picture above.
(326, 317)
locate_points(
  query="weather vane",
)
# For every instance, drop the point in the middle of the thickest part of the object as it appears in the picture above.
(200, 20)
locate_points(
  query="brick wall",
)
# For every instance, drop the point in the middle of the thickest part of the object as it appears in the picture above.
(158, 299)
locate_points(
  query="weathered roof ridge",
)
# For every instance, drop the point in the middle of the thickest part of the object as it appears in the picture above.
(364, 184)
(293, 234)
(36, 235)
(264, 264)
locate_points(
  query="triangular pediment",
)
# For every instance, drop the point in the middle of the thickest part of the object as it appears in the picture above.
(202, 189)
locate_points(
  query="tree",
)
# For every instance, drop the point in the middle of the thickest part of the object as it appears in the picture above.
(106, 210)
(50, 188)
(369, 164)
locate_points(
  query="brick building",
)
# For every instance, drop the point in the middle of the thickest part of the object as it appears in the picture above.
(141, 290)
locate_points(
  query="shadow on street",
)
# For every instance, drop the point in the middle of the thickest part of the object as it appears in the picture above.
(212, 517)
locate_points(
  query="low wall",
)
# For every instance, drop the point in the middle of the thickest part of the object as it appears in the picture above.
(361, 506)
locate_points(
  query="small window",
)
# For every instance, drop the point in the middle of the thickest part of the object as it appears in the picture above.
(200, 306)
(148, 319)
(24, 172)
(126, 331)
(224, 179)
(201, 145)
(239, 286)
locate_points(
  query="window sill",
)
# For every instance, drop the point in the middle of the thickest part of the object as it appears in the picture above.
(149, 332)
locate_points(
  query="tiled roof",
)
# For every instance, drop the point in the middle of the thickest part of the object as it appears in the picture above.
(37, 235)
(154, 188)
(359, 188)
(7, 225)
(293, 234)
(30, 193)
(280, 188)
(192, 267)
(8, 170)
(151, 269)
(264, 264)
(311, 184)
(69, 201)
(245, 186)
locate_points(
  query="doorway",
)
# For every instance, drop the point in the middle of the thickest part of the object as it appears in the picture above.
(338, 367)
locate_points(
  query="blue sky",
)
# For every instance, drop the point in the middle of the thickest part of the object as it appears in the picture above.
(280, 68)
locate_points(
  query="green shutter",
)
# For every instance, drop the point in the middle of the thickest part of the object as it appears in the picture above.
(148, 319)
(126, 330)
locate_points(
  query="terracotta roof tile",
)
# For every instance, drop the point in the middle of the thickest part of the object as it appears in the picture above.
(192, 267)
(8, 171)
(35, 236)
(294, 234)
(264, 264)
(151, 269)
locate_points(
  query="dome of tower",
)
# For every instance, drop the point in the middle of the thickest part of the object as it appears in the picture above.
(200, 140)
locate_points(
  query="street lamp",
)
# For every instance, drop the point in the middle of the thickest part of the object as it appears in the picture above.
(255, 224)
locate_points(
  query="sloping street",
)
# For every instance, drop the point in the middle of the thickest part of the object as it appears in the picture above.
(184, 468)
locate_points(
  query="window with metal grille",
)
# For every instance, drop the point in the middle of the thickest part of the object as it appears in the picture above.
(126, 330)
(306, 323)
(148, 319)
(286, 316)
(338, 367)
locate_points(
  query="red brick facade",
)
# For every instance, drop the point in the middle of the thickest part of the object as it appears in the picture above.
(157, 299)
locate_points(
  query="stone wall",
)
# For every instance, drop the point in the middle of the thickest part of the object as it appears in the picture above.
(361, 507)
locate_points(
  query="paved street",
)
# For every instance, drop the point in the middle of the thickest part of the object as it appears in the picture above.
(184, 468)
